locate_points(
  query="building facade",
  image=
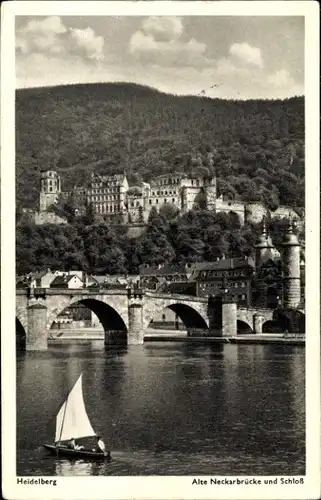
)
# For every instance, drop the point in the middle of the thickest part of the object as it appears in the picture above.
(113, 199)
(235, 275)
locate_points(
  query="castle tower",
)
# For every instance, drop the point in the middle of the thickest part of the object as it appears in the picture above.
(50, 188)
(210, 185)
(291, 269)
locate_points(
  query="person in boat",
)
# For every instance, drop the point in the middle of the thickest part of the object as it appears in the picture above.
(101, 448)
(74, 446)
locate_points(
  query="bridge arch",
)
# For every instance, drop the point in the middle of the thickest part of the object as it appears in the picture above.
(22, 317)
(243, 327)
(188, 314)
(110, 319)
(57, 307)
(21, 335)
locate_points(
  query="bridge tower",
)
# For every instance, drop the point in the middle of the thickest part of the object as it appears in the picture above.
(263, 247)
(50, 188)
(291, 269)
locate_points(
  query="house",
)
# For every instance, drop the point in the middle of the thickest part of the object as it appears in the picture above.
(67, 281)
(152, 276)
(233, 274)
(39, 279)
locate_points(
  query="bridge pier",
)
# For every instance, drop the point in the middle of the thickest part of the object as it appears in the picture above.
(37, 335)
(257, 323)
(135, 334)
(223, 317)
(229, 319)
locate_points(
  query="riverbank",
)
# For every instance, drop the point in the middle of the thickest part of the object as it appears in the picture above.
(89, 334)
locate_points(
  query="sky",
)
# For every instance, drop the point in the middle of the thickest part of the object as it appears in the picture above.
(237, 57)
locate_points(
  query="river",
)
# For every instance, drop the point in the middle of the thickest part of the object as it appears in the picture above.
(169, 408)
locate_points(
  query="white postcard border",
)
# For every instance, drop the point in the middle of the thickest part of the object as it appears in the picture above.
(158, 487)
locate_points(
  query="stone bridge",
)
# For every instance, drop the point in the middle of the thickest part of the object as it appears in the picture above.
(126, 314)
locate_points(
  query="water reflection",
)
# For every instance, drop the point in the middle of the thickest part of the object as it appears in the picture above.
(238, 409)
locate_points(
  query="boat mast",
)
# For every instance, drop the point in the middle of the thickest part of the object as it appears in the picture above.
(63, 418)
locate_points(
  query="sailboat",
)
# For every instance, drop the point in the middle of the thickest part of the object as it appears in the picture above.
(72, 422)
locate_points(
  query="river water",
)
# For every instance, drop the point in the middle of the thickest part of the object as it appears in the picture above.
(169, 408)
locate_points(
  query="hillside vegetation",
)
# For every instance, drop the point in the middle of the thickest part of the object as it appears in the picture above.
(98, 248)
(258, 145)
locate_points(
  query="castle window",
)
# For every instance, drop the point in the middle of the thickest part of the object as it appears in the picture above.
(137, 203)
(132, 204)
(158, 192)
(156, 200)
(173, 200)
(153, 193)
(165, 201)
(50, 189)
(166, 192)
(192, 182)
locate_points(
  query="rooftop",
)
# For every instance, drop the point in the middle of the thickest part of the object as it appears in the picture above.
(162, 270)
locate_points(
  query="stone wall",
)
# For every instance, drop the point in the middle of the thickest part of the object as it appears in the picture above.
(231, 206)
(41, 218)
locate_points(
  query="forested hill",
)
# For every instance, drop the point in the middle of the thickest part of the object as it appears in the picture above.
(258, 145)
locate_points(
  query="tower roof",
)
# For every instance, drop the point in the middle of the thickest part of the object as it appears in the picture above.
(290, 238)
(264, 240)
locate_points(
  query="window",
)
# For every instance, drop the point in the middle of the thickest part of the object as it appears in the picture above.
(173, 200)
(132, 204)
(158, 192)
(50, 189)
(153, 193)
(156, 200)
(137, 203)
(192, 182)
(163, 317)
(166, 192)
(150, 202)
(165, 201)
(197, 183)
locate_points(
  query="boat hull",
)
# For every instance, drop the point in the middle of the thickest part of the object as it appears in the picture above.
(70, 453)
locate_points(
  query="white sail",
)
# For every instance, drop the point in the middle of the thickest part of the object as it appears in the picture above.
(72, 420)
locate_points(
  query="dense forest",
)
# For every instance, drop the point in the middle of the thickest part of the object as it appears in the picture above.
(257, 145)
(101, 249)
